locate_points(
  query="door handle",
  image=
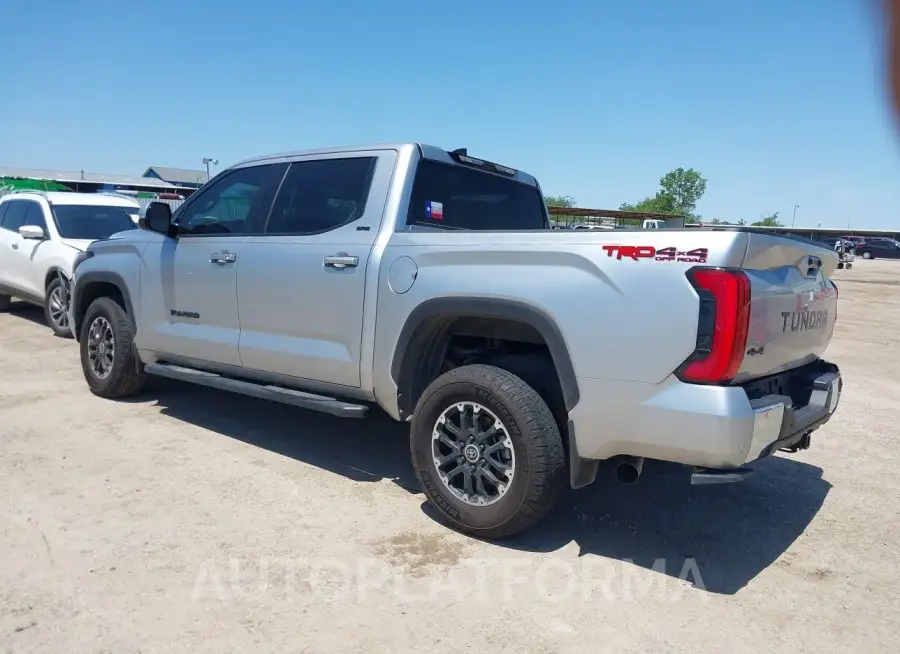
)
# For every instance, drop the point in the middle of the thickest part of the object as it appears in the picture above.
(222, 258)
(341, 261)
(15, 246)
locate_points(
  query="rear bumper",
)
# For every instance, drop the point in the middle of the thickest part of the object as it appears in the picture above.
(718, 427)
(778, 424)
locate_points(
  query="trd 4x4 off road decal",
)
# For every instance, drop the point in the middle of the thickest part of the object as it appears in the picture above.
(636, 252)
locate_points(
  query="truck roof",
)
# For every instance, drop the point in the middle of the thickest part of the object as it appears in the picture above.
(428, 152)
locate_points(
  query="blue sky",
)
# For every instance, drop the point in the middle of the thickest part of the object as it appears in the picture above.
(775, 103)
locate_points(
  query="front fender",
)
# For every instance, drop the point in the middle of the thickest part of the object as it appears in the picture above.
(92, 284)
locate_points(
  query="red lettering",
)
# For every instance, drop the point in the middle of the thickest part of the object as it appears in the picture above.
(633, 252)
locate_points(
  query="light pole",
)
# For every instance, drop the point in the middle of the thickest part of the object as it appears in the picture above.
(207, 161)
(794, 219)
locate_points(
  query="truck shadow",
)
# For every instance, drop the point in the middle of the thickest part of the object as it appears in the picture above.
(371, 449)
(717, 537)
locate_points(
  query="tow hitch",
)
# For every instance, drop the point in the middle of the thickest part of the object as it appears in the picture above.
(802, 444)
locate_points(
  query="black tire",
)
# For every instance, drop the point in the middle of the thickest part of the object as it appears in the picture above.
(126, 375)
(868, 255)
(539, 373)
(61, 327)
(540, 464)
(4, 302)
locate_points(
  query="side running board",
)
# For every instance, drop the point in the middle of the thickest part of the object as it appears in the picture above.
(275, 393)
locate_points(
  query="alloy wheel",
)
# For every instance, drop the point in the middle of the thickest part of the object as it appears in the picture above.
(473, 453)
(101, 347)
(59, 306)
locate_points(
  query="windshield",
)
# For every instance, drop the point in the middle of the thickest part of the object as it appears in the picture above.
(92, 221)
(456, 197)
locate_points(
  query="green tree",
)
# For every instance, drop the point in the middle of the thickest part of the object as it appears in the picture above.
(769, 221)
(659, 203)
(680, 191)
(685, 187)
(559, 201)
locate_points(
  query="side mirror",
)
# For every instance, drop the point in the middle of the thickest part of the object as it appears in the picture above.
(157, 218)
(32, 232)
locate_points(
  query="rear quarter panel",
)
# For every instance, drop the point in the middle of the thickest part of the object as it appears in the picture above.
(623, 319)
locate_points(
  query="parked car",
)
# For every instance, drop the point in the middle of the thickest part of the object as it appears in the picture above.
(426, 283)
(879, 248)
(590, 226)
(856, 240)
(41, 234)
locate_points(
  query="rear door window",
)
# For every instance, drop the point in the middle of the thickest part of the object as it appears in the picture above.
(321, 195)
(451, 196)
(15, 214)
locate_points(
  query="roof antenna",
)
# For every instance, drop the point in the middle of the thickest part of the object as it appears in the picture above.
(463, 152)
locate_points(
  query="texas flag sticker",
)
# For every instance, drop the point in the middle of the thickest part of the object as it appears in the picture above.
(434, 210)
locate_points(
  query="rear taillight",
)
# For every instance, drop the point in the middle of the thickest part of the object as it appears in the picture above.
(723, 322)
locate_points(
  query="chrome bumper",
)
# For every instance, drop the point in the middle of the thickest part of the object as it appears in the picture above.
(777, 424)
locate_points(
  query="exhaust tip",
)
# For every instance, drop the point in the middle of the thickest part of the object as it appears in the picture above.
(629, 470)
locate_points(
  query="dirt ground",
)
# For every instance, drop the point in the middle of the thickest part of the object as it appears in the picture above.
(193, 520)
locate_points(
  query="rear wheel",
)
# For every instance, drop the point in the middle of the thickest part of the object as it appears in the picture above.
(867, 255)
(4, 302)
(56, 307)
(487, 451)
(108, 359)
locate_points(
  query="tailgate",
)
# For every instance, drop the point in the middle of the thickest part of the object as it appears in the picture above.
(793, 303)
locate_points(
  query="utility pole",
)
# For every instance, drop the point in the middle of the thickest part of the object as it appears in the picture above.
(794, 219)
(207, 161)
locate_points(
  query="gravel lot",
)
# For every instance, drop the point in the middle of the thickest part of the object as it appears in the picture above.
(193, 520)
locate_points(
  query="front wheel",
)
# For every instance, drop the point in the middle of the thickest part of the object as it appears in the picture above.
(487, 451)
(108, 359)
(56, 307)
(5, 301)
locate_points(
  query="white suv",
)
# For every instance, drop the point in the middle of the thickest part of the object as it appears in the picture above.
(41, 234)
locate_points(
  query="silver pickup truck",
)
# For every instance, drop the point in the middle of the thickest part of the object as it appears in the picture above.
(428, 283)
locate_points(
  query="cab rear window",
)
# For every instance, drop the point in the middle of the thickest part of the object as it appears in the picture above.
(448, 196)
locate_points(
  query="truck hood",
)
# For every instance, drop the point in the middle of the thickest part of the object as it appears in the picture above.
(80, 244)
